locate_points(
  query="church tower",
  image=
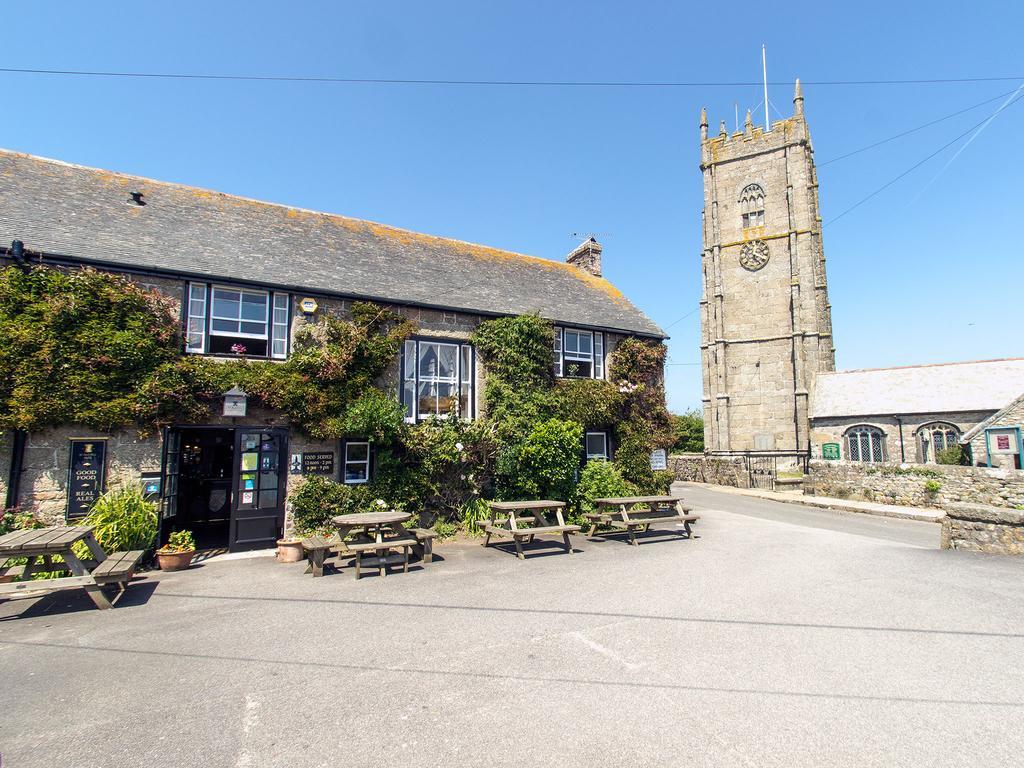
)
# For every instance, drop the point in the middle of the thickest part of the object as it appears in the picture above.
(766, 326)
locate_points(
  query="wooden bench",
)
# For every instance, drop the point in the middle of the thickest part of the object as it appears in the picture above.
(425, 539)
(118, 568)
(653, 510)
(534, 522)
(316, 548)
(380, 559)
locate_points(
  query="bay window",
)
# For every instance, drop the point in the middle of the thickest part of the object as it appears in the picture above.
(437, 379)
(224, 320)
(579, 354)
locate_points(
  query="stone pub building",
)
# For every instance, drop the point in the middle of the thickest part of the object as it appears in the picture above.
(244, 274)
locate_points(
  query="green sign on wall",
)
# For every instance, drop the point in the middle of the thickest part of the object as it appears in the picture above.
(830, 451)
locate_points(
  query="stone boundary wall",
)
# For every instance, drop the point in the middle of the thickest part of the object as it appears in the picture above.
(909, 484)
(982, 528)
(719, 470)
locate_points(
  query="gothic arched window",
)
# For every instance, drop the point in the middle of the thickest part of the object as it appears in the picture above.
(752, 205)
(932, 438)
(864, 443)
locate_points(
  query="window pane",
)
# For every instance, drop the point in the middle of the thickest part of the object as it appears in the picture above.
(598, 355)
(408, 396)
(357, 451)
(577, 369)
(225, 325)
(572, 341)
(410, 360)
(467, 363)
(436, 398)
(254, 307)
(596, 445)
(585, 343)
(356, 473)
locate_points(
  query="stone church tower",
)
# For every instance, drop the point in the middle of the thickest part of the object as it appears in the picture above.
(766, 327)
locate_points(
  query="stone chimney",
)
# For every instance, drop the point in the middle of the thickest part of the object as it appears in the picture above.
(586, 256)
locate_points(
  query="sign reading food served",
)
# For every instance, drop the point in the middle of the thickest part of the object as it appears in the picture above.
(86, 475)
(318, 463)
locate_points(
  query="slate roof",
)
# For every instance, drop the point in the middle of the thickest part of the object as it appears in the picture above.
(82, 213)
(980, 385)
(977, 429)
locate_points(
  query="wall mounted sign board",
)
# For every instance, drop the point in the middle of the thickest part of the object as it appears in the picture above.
(86, 475)
(318, 463)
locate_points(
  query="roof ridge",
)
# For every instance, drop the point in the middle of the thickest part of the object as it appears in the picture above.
(576, 271)
(925, 365)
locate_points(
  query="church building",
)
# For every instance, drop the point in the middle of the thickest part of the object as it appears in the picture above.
(767, 356)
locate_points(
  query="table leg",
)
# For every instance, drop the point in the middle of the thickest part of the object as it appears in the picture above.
(318, 562)
(94, 547)
(30, 567)
(94, 590)
(519, 548)
(383, 570)
(568, 542)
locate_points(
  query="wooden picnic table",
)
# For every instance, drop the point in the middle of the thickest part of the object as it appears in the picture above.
(41, 545)
(374, 535)
(621, 514)
(506, 522)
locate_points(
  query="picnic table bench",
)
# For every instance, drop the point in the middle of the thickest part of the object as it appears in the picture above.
(40, 545)
(621, 514)
(318, 548)
(505, 522)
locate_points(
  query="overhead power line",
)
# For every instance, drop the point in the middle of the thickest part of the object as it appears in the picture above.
(536, 83)
(921, 162)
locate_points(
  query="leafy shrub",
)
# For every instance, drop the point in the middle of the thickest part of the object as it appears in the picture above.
(544, 465)
(123, 520)
(661, 482)
(953, 454)
(688, 432)
(445, 529)
(599, 479)
(315, 502)
(932, 486)
(179, 541)
(472, 513)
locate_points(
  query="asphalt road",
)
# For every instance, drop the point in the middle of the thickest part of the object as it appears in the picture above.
(781, 636)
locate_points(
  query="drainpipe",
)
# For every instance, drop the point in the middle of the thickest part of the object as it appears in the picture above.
(903, 449)
(17, 460)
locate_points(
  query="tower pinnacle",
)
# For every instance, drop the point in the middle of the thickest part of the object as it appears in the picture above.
(703, 123)
(798, 99)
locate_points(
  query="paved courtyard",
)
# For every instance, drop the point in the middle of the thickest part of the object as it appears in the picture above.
(782, 636)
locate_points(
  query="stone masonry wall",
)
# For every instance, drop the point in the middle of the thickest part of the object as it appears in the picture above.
(893, 484)
(718, 470)
(1011, 417)
(981, 528)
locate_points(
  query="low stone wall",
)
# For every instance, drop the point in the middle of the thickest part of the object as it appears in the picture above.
(932, 485)
(982, 528)
(720, 470)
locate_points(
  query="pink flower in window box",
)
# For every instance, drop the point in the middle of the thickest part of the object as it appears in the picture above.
(238, 349)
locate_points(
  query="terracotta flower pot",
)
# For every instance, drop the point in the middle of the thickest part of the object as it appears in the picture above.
(174, 561)
(289, 551)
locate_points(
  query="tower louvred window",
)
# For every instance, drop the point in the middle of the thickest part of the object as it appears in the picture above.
(752, 205)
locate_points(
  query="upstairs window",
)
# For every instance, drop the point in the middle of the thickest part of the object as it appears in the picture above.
(579, 354)
(222, 320)
(865, 444)
(752, 206)
(437, 379)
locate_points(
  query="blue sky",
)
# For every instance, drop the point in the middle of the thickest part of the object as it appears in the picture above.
(927, 271)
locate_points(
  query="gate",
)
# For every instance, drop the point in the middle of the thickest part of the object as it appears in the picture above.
(762, 471)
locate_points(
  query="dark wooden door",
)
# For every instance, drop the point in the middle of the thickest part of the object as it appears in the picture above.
(261, 472)
(169, 471)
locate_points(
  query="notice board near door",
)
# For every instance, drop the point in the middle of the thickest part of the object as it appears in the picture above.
(87, 465)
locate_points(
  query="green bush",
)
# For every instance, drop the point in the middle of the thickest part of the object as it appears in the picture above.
(688, 432)
(953, 454)
(544, 465)
(473, 512)
(179, 541)
(445, 529)
(315, 502)
(932, 486)
(599, 479)
(123, 519)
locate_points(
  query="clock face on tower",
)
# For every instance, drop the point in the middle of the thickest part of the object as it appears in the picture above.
(754, 255)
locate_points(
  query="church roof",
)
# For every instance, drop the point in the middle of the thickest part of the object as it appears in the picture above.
(981, 385)
(993, 419)
(84, 214)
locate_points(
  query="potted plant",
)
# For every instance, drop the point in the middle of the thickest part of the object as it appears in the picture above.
(177, 553)
(289, 550)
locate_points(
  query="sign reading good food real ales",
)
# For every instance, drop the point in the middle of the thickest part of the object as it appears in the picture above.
(86, 475)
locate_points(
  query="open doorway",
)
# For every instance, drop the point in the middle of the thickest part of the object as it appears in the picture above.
(225, 484)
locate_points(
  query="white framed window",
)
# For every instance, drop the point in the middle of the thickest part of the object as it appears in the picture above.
(195, 318)
(224, 320)
(865, 444)
(280, 326)
(597, 446)
(579, 354)
(356, 469)
(752, 205)
(932, 438)
(437, 379)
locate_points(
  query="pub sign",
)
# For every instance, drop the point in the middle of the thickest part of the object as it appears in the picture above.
(318, 463)
(86, 475)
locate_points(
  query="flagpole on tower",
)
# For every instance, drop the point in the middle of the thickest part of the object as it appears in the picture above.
(764, 72)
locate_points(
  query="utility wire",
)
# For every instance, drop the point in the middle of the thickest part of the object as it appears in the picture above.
(542, 83)
(918, 164)
(914, 130)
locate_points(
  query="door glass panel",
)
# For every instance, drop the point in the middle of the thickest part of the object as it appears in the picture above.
(249, 461)
(268, 499)
(268, 480)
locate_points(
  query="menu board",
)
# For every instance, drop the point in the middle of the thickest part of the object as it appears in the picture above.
(86, 475)
(319, 463)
